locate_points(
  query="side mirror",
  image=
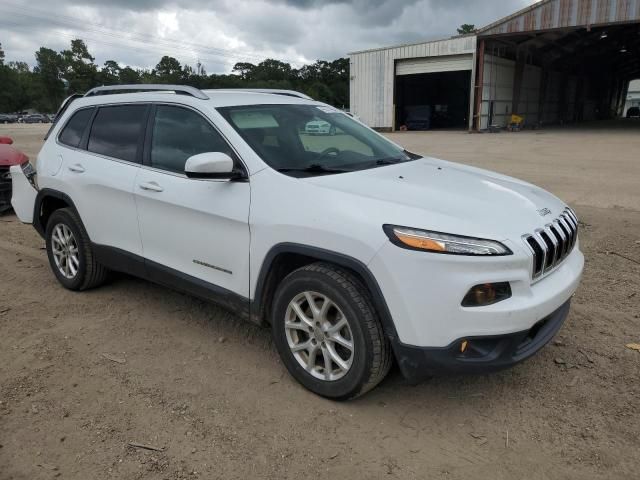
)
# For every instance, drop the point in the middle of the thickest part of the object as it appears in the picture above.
(214, 165)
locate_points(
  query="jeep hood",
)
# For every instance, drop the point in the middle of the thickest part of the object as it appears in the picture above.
(444, 196)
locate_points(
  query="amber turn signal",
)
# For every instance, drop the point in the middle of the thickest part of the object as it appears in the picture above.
(421, 243)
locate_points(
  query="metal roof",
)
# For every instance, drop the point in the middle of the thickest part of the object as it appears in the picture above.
(554, 14)
(426, 42)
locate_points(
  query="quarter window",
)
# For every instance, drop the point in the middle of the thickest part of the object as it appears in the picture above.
(179, 133)
(74, 129)
(117, 131)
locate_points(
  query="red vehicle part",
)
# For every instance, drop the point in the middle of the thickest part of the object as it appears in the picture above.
(10, 156)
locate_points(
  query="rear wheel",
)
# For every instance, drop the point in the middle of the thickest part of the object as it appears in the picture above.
(327, 332)
(70, 254)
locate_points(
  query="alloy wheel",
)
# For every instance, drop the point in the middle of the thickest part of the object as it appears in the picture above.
(319, 336)
(65, 250)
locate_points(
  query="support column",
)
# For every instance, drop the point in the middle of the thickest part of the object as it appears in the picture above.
(518, 76)
(479, 86)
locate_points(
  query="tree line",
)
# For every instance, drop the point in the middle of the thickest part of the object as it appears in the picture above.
(73, 70)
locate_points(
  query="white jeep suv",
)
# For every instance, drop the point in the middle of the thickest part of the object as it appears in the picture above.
(354, 250)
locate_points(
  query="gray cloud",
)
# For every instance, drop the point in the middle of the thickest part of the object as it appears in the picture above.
(221, 32)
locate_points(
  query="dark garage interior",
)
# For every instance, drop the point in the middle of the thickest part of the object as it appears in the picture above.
(561, 76)
(433, 100)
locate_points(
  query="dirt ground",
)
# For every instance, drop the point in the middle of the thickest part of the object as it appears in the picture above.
(211, 393)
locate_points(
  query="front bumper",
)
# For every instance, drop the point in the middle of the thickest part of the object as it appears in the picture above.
(483, 354)
(424, 292)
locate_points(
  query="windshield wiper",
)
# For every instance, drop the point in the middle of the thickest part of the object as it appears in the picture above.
(314, 168)
(393, 160)
(388, 161)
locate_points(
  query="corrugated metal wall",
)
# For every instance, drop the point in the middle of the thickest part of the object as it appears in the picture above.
(566, 13)
(372, 76)
(497, 91)
(559, 90)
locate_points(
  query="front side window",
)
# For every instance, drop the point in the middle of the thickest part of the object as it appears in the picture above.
(179, 133)
(306, 140)
(74, 129)
(117, 131)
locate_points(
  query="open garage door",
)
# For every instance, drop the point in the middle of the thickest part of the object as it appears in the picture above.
(450, 63)
(433, 92)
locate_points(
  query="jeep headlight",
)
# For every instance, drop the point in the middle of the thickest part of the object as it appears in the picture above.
(437, 242)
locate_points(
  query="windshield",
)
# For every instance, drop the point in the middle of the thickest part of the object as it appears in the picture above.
(308, 140)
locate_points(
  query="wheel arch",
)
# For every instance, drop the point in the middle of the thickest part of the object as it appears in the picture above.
(48, 201)
(284, 258)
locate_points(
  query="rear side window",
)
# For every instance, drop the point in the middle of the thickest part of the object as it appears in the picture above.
(74, 129)
(179, 133)
(117, 131)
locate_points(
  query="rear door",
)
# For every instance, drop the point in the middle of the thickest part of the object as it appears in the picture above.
(99, 171)
(197, 228)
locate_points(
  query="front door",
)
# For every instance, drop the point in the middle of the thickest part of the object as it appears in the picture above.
(195, 230)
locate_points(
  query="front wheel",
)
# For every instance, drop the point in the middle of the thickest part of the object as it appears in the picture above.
(327, 332)
(70, 253)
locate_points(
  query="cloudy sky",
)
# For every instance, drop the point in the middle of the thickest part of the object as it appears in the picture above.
(222, 32)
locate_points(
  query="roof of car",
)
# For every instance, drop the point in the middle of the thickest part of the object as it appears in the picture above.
(216, 98)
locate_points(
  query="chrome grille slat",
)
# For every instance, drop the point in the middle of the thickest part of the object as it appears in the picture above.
(568, 231)
(551, 244)
(556, 246)
(573, 229)
(562, 240)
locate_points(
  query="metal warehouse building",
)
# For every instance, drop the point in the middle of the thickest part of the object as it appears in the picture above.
(556, 61)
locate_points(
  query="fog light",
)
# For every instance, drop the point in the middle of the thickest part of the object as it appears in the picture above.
(487, 294)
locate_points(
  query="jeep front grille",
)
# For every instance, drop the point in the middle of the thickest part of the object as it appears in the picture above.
(553, 243)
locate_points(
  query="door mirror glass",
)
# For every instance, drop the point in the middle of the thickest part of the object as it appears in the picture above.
(210, 165)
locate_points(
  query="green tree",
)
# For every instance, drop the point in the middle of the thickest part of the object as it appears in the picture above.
(245, 70)
(129, 76)
(42, 88)
(110, 73)
(48, 71)
(79, 68)
(466, 28)
(168, 70)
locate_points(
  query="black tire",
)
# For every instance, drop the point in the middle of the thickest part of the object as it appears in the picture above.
(372, 352)
(90, 273)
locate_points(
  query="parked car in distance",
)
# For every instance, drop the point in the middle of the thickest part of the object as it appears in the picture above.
(418, 117)
(353, 250)
(35, 118)
(8, 118)
(633, 112)
(319, 127)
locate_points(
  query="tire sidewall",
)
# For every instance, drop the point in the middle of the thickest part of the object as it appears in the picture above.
(358, 374)
(63, 217)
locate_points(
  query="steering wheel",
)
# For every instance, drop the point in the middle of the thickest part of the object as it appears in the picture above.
(326, 152)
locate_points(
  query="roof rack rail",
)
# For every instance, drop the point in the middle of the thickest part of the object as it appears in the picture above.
(273, 91)
(179, 89)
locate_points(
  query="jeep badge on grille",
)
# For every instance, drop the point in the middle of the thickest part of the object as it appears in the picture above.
(544, 212)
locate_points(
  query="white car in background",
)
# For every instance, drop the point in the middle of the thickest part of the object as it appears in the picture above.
(355, 251)
(319, 127)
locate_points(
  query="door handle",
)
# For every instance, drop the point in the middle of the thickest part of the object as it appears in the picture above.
(151, 186)
(76, 168)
